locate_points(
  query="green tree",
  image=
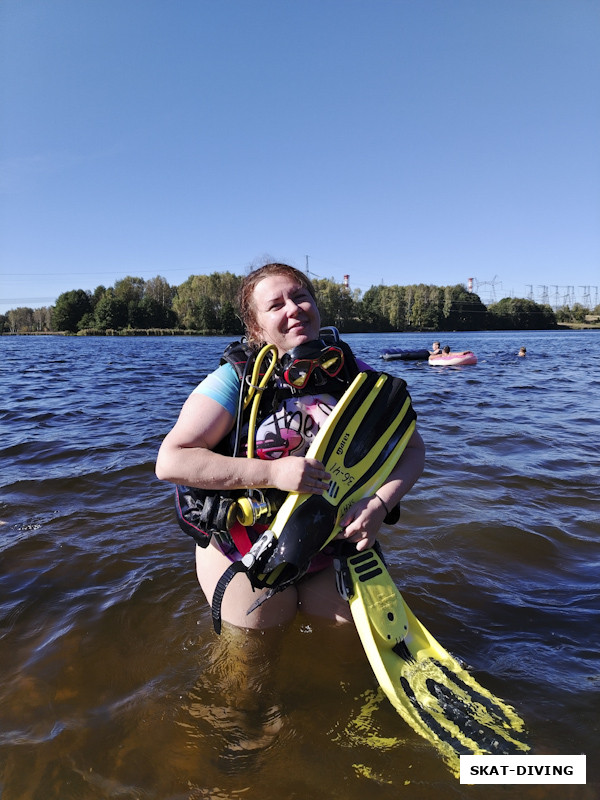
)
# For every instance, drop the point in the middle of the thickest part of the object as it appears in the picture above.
(393, 306)
(110, 312)
(159, 290)
(371, 310)
(206, 316)
(20, 320)
(69, 309)
(42, 318)
(129, 289)
(419, 308)
(130, 292)
(336, 304)
(579, 312)
(563, 314)
(447, 304)
(87, 321)
(514, 313)
(97, 295)
(153, 314)
(201, 300)
(467, 312)
(409, 296)
(230, 321)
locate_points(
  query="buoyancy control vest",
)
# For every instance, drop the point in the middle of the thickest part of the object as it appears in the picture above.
(287, 420)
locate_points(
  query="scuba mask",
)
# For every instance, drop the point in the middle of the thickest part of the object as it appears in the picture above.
(311, 360)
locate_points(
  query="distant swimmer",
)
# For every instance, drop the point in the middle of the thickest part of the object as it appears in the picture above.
(522, 351)
(437, 350)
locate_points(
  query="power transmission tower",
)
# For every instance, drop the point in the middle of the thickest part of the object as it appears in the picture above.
(492, 284)
(587, 296)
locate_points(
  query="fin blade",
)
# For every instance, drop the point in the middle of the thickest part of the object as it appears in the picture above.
(427, 686)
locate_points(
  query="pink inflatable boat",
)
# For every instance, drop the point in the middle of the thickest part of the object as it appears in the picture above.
(454, 359)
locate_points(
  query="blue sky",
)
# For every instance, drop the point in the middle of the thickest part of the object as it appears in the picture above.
(396, 141)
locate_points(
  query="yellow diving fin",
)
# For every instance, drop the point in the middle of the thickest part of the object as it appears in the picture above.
(427, 686)
(359, 445)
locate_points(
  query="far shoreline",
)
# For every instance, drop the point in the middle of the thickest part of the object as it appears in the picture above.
(563, 326)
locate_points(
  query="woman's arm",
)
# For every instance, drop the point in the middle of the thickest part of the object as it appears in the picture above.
(406, 472)
(362, 522)
(186, 456)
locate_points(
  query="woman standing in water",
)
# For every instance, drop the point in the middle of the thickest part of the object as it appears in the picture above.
(278, 307)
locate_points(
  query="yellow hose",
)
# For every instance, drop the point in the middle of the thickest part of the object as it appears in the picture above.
(257, 384)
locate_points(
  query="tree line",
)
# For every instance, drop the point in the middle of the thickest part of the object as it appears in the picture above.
(207, 304)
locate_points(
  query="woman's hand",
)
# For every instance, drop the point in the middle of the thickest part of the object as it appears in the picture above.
(362, 522)
(299, 474)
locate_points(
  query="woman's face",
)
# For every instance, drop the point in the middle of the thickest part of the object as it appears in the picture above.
(286, 313)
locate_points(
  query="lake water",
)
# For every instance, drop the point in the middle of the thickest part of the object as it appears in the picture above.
(113, 682)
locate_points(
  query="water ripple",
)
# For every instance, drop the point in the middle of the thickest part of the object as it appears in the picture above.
(113, 682)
